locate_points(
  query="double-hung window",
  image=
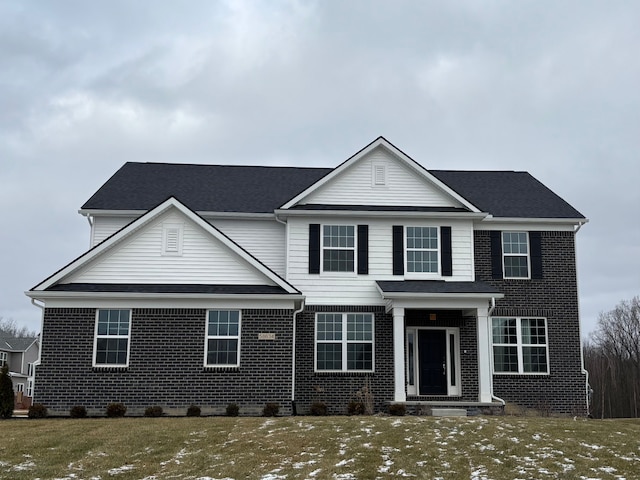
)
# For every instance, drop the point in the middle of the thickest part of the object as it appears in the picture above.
(338, 248)
(3, 359)
(344, 342)
(222, 348)
(515, 250)
(422, 249)
(112, 338)
(520, 345)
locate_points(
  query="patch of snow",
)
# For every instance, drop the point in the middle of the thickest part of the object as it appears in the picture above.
(299, 465)
(608, 469)
(593, 447)
(344, 476)
(119, 470)
(21, 467)
(536, 437)
(342, 463)
(315, 472)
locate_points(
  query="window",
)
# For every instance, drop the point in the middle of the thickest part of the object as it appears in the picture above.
(520, 345)
(515, 248)
(30, 369)
(112, 338)
(223, 338)
(20, 387)
(344, 341)
(338, 248)
(3, 359)
(422, 249)
(29, 388)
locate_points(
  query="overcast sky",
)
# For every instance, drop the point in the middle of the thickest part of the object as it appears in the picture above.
(550, 87)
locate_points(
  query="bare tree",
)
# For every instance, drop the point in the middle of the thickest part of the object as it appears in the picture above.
(612, 357)
(10, 328)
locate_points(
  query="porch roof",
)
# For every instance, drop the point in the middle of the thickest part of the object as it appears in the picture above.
(436, 288)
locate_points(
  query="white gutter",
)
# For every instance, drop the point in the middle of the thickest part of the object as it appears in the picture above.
(378, 213)
(489, 313)
(37, 362)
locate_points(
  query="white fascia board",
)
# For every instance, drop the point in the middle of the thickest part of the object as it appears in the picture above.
(381, 142)
(378, 213)
(111, 213)
(516, 223)
(171, 202)
(207, 214)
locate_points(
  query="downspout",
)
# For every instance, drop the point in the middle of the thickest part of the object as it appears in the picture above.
(489, 313)
(37, 362)
(293, 360)
(584, 371)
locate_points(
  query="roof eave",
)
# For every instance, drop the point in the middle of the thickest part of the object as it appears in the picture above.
(44, 295)
(300, 212)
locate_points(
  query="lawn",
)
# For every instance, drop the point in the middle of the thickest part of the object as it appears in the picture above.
(319, 447)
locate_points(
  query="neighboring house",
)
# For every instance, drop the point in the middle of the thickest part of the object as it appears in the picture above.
(21, 355)
(210, 284)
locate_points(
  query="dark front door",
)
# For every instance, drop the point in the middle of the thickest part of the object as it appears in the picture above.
(432, 350)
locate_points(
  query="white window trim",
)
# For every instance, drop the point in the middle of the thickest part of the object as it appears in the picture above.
(527, 255)
(19, 387)
(96, 336)
(172, 247)
(452, 390)
(331, 273)
(208, 337)
(30, 369)
(422, 275)
(344, 342)
(29, 388)
(4, 358)
(520, 345)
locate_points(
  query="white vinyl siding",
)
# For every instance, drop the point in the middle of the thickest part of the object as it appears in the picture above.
(403, 186)
(105, 226)
(139, 259)
(332, 289)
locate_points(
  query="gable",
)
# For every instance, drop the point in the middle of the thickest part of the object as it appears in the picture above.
(170, 244)
(380, 178)
(170, 249)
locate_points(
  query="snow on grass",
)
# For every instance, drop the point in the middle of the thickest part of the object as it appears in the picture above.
(120, 470)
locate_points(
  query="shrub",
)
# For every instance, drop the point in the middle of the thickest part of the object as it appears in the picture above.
(193, 411)
(78, 412)
(6, 393)
(37, 410)
(116, 410)
(355, 407)
(155, 411)
(232, 410)
(270, 410)
(318, 408)
(397, 409)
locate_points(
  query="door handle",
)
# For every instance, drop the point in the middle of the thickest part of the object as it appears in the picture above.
(444, 368)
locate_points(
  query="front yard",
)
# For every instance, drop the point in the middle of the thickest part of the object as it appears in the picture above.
(319, 447)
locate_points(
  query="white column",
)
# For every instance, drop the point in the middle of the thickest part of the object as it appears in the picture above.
(400, 391)
(484, 356)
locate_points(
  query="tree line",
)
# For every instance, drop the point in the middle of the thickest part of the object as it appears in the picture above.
(612, 358)
(9, 328)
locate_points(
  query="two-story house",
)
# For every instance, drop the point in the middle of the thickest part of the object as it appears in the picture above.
(210, 284)
(20, 354)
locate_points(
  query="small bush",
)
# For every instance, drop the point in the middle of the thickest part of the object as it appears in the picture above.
(37, 410)
(270, 410)
(232, 410)
(115, 410)
(78, 412)
(193, 411)
(355, 407)
(155, 411)
(397, 409)
(318, 408)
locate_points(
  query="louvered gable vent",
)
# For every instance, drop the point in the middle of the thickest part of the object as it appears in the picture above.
(172, 240)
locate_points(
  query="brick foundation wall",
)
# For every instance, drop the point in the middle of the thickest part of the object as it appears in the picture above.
(336, 390)
(165, 364)
(554, 297)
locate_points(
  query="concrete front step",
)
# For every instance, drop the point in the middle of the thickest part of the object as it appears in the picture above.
(449, 412)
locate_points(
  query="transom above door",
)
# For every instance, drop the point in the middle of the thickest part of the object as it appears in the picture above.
(433, 361)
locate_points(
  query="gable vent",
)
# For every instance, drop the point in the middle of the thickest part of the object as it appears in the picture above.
(379, 175)
(172, 240)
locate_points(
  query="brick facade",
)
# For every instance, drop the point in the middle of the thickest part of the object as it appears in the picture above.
(165, 365)
(554, 297)
(336, 390)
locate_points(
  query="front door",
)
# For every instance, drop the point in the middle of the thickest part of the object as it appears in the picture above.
(432, 361)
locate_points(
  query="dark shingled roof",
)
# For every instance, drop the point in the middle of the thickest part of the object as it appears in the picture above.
(219, 188)
(507, 194)
(168, 288)
(435, 286)
(203, 188)
(13, 344)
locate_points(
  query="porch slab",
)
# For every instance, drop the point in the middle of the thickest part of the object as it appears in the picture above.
(449, 412)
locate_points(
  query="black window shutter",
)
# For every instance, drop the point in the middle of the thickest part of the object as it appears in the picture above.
(363, 249)
(398, 250)
(496, 254)
(314, 248)
(446, 261)
(535, 245)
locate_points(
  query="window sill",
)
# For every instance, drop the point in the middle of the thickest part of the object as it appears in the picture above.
(110, 368)
(221, 368)
(344, 373)
(522, 375)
